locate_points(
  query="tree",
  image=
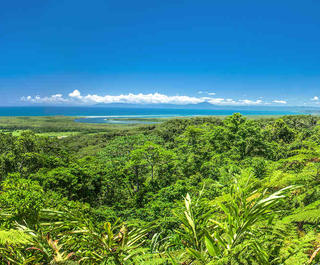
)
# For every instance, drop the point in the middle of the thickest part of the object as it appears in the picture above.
(22, 199)
(151, 156)
(280, 131)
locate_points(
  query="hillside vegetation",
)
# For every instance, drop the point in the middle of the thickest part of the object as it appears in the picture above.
(187, 191)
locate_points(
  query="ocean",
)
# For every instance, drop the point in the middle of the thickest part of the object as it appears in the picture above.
(107, 114)
(141, 112)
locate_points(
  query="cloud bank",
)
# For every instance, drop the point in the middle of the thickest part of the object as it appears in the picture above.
(57, 98)
(75, 97)
(140, 98)
(279, 101)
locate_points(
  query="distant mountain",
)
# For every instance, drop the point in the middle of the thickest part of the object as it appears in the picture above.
(156, 106)
(208, 106)
(204, 105)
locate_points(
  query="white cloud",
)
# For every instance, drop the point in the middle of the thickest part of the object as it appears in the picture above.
(229, 101)
(222, 101)
(140, 98)
(216, 100)
(250, 102)
(57, 98)
(155, 98)
(206, 92)
(75, 97)
(75, 94)
(279, 101)
(315, 98)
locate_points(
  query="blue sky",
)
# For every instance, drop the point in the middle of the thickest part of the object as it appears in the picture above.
(221, 52)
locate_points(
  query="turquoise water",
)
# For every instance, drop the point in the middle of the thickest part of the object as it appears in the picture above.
(129, 112)
(118, 120)
(112, 115)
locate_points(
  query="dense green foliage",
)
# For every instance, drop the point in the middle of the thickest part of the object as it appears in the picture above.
(187, 191)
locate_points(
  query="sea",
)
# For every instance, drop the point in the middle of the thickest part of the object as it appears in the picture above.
(114, 115)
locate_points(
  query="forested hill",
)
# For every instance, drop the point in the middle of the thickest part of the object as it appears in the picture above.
(187, 191)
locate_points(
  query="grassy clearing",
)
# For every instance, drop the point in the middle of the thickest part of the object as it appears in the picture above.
(64, 126)
(47, 134)
(58, 134)
(54, 125)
